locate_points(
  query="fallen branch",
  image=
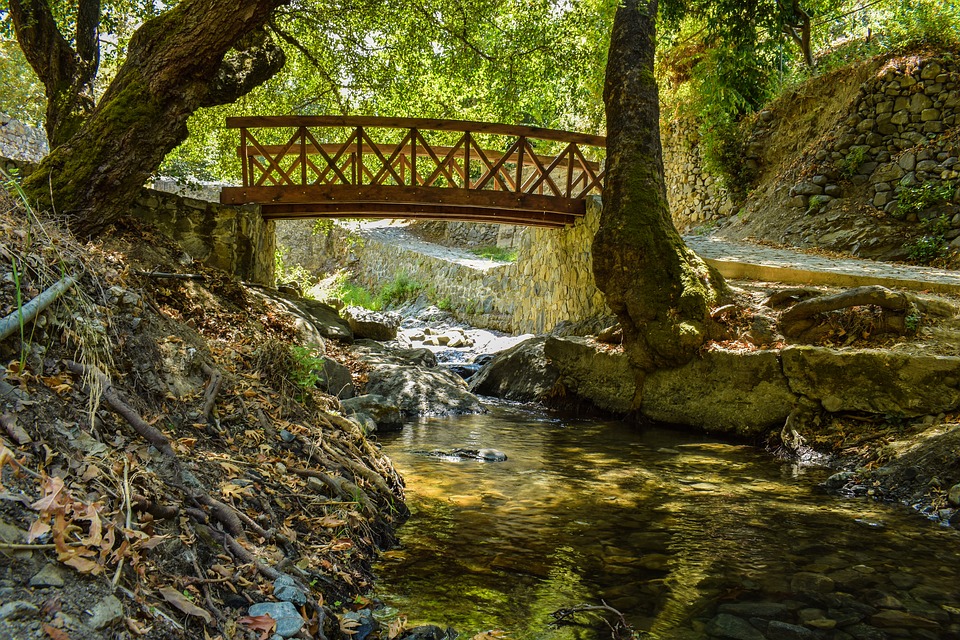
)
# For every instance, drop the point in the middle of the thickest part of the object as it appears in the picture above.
(210, 394)
(149, 433)
(620, 628)
(29, 312)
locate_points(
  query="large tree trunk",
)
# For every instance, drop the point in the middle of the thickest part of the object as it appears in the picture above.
(659, 289)
(200, 53)
(67, 75)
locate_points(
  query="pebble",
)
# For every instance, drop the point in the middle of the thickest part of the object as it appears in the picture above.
(289, 621)
(49, 576)
(106, 612)
(17, 610)
(286, 589)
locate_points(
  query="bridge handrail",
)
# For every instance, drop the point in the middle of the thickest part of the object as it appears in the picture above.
(251, 122)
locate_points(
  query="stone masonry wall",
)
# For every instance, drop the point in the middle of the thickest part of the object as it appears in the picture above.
(901, 133)
(235, 239)
(19, 141)
(549, 286)
(695, 196)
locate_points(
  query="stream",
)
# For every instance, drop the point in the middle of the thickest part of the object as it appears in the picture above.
(687, 535)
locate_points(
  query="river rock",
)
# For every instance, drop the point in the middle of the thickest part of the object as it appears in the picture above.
(422, 391)
(742, 393)
(602, 377)
(519, 373)
(361, 623)
(874, 381)
(953, 496)
(106, 612)
(374, 325)
(49, 576)
(285, 588)
(429, 632)
(289, 620)
(383, 411)
(731, 627)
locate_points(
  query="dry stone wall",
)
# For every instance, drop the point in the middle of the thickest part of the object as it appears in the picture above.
(549, 287)
(901, 134)
(235, 239)
(19, 141)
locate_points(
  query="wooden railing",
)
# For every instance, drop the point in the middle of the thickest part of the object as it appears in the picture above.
(331, 166)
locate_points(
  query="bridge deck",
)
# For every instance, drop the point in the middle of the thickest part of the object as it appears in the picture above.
(456, 172)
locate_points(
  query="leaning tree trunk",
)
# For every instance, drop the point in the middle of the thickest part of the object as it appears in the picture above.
(200, 53)
(659, 289)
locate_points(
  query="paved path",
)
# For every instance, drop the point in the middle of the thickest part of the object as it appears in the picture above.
(757, 262)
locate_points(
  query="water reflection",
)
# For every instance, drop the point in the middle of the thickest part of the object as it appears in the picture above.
(664, 526)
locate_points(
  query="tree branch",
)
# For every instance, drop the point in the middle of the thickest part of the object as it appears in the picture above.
(253, 61)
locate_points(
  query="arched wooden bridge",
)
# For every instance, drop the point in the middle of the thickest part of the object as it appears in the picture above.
(368, 167)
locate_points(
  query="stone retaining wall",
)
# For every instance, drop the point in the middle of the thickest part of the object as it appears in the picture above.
(19, 141)
(695, 196)
(901, 134)
(234, 239)
(550, 285)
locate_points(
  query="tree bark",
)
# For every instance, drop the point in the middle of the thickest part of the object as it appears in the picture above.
(199, 54)
(659, 289)
(67, 75)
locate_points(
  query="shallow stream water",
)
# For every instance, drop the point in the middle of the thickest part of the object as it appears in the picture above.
(687, 535)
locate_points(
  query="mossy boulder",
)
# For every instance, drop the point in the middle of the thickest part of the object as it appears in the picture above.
(722, 391)
(874, 381)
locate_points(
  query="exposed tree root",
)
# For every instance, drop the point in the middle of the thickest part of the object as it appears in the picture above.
(149, 433)
(806, 315)
(210, 393)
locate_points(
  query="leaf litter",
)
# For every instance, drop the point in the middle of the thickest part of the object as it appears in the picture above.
(109, 467)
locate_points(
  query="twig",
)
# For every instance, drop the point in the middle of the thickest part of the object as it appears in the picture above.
(151, 434)
(210, 394)
(171, 276)
(28, 312)
(621, 628)
(13, 546)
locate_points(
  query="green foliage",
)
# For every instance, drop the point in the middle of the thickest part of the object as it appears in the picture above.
(445, 304)
(500, 254)
(307, 366)
(22, 95)
(922, 197)
(932, 245)
(926, 249)
(353, 295)
(400, 289)
(814, 204)
(851, 163)
(922, 22)
(291, 273)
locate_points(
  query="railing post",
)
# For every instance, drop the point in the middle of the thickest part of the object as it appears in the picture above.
(303, 156)
(359, 163)
(414, 176)
(466, 160)
(520, 148)
(243, 156)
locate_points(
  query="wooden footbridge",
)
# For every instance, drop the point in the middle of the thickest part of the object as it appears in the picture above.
(368, 167)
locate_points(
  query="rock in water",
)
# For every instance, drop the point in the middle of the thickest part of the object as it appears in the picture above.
(372, 324)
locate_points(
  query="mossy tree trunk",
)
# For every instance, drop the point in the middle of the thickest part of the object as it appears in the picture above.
(67, 74)
(660, 290)
(200, 53)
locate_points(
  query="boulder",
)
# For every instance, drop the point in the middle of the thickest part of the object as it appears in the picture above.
(335, 379)
(314, 320)
(519, 373)
(723, 391)
(586, 370)
(422, 391)
(374, 325)
(874, 381)
(384, 412)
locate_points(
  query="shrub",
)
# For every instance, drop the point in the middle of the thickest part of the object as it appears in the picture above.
(852, 162)
(922, 197)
